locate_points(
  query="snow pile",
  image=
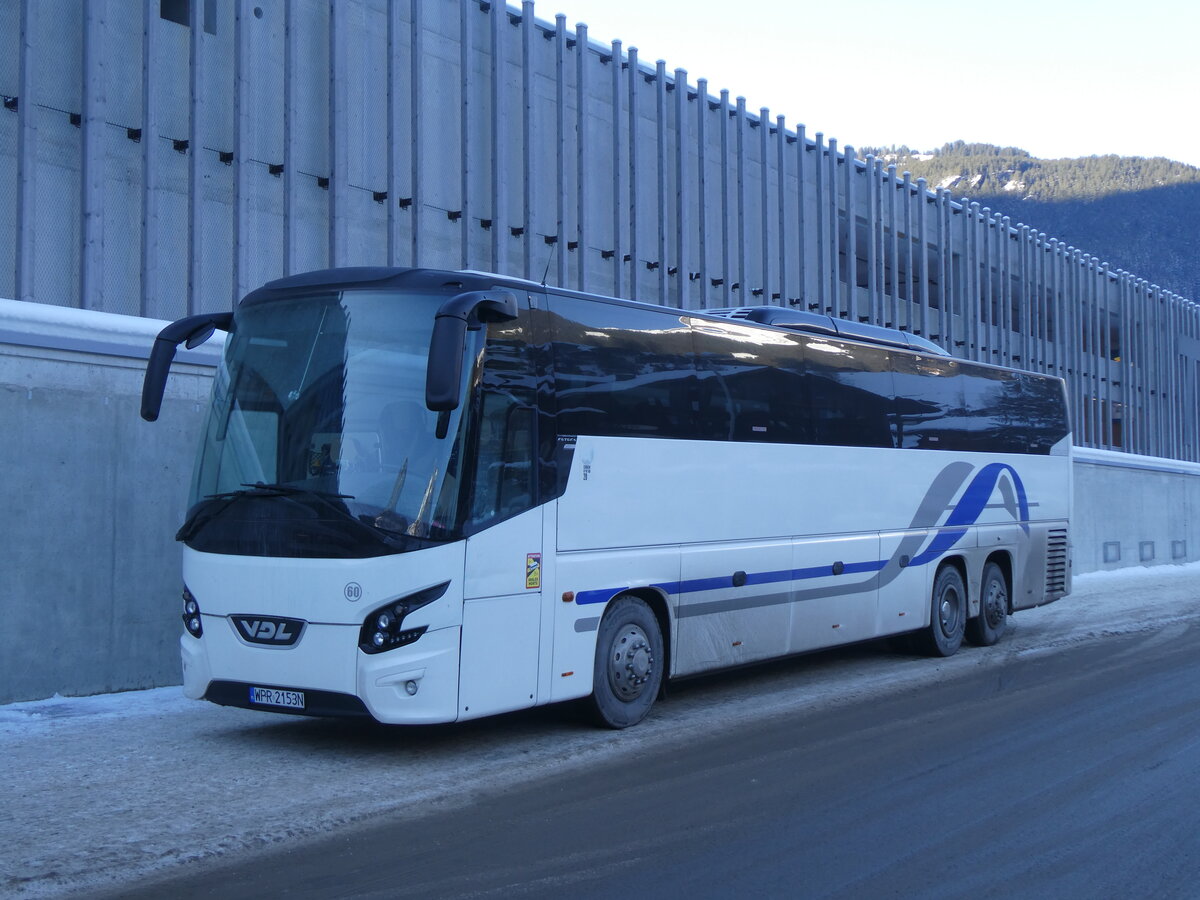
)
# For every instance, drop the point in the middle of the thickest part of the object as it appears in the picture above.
(101, 790)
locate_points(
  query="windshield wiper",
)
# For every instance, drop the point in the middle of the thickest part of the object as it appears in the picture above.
(262, 488)
(207, 512)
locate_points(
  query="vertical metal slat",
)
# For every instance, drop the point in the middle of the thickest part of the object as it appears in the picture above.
(466, 127)
(850, 170)
(618, 140)
(26, 158)
(196, 147)
(417, 116)
(394, 135)
(560, 143)
(702, 269)
(660, 146)
(583, 145)
(291, 89)
(634, 185)
(682, 221)
(801, 218)
(528, 186)
(150, 226)
(764, 203)
(338, 134)
(498, 19)
(742, 224)
(241, 156)
(782, 241)
(92, 161)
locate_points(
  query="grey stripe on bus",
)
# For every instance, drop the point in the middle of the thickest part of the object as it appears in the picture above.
(591, 624)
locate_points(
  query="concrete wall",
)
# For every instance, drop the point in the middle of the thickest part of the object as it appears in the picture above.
(1134, 510)
(92, 497)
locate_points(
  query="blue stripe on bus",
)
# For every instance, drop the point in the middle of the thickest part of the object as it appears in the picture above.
(697, 585)
(965, 513)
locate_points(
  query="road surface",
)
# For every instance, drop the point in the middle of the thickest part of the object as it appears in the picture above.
(1072, 774)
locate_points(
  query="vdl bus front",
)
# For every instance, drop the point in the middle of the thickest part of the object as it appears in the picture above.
(332, 491)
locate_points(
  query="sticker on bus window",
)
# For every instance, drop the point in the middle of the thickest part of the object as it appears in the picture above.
(533, 571)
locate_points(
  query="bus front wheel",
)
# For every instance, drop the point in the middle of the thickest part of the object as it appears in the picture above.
(629, 663)
(989, 626)
(948, 614)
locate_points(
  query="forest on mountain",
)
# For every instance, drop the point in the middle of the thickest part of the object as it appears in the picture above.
(1137, 214)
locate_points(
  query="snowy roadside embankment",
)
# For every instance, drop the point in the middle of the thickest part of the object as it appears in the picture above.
(97, 791)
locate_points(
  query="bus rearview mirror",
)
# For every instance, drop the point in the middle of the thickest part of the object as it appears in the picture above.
(443, 375)
(194, 331)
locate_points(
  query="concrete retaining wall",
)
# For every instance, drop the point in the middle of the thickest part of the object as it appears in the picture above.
(92, 496)
(1134, 510)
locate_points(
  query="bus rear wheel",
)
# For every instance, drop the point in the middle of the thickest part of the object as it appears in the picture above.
(629, 663)
(948, 614)
(988, 627)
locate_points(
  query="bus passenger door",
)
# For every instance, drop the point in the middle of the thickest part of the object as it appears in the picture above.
(502, 586)
(501, 630)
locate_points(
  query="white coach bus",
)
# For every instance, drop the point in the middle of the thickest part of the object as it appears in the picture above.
(429, 496)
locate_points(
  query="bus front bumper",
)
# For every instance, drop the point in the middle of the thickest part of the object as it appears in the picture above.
(415, 684)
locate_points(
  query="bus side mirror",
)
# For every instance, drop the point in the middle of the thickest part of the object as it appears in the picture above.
(192, 331)
(468, 310)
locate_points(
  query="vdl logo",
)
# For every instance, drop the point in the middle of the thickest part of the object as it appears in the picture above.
(270, 631)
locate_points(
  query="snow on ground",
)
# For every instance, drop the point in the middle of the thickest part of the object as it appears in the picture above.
(99, 791)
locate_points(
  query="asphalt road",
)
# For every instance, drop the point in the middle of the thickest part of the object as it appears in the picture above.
(1073, 772)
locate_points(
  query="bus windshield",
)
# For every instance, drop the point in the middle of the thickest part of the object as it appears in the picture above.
(318, 423)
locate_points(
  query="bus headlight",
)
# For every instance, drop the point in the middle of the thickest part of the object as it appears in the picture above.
(191, 614)
(383, 628)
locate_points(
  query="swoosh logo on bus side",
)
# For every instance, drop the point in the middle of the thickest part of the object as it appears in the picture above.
(937, 499)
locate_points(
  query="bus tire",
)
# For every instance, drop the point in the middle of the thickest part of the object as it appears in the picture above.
(988, 627)
(629, 663)
(948, 614)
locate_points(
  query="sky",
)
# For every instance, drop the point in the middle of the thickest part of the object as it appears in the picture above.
(1058, 78)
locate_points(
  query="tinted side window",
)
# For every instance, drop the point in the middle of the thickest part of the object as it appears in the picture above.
(621, 370)
(930, 409)
(984, 392)
(850, 391)
(942, 404)
(1029, 414)
(750, 384)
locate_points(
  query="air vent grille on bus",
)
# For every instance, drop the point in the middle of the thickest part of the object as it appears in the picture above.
(1056, 564)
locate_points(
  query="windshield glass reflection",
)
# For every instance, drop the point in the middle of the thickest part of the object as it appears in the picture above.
(318, 413)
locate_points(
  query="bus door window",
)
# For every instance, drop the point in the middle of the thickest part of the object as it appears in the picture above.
(504, 481)
(505, 438)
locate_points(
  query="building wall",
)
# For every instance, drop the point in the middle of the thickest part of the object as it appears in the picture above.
(152, 167)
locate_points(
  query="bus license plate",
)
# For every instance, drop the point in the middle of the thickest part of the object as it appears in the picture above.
(273, 697)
